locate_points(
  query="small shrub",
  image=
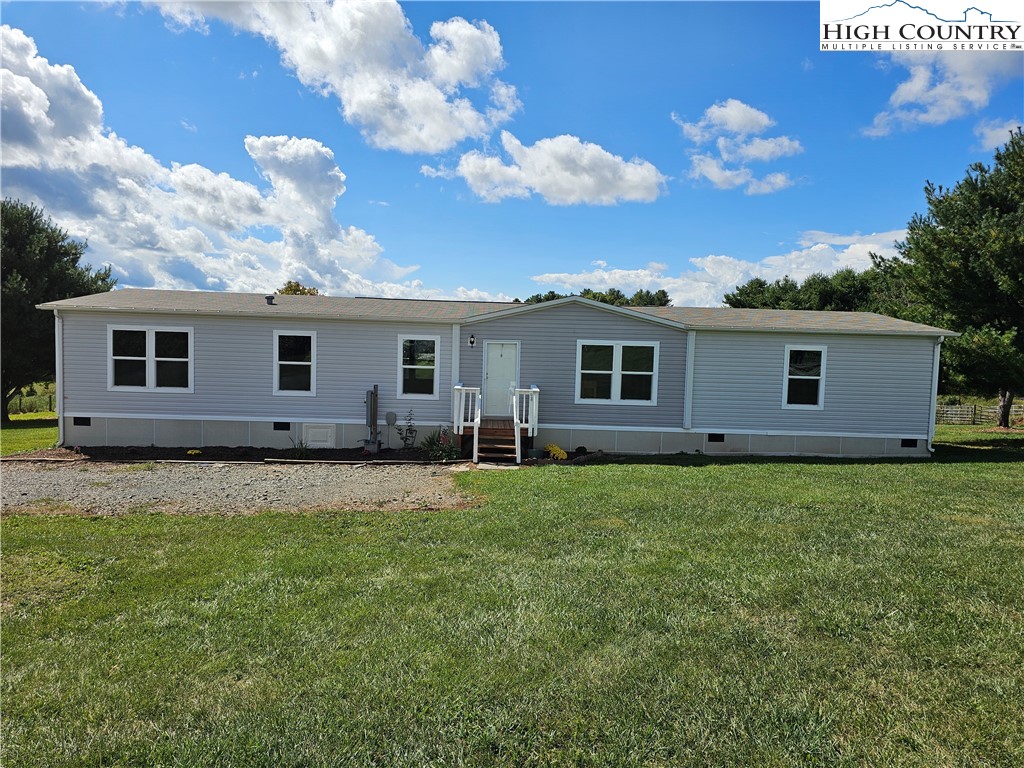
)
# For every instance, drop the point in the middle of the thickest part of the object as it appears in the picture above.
(555, 452)
(407, 433)
(299, 450)
(440, 446)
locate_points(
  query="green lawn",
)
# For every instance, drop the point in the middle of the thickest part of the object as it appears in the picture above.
(28, 432)
(694, 612)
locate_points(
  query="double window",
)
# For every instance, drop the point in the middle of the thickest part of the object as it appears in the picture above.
(143, 359)
(295, 363)
(803, 386)
(623, 372)
(418, 369)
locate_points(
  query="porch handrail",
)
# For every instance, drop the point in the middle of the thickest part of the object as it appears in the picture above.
(468, 411)
(524, 402)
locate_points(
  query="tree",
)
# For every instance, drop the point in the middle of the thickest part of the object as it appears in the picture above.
(295, 288)
(40, 263)
(963, 261)
(613, 296)
(844, 291)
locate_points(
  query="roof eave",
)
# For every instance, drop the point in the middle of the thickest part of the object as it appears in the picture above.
(245, 313)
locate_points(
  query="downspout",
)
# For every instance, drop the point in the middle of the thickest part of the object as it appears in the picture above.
(935, 392)
(58, 332)
(691, 344)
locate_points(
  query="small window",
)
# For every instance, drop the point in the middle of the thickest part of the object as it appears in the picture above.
(803, 385)
(150, 359)
(618, 372)
(418, 369)
(295, 363)
(282, 426)
(82, 421)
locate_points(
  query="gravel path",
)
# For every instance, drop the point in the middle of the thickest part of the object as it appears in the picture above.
(113, 489)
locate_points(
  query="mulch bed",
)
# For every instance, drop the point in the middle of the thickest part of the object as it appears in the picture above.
(216, 453)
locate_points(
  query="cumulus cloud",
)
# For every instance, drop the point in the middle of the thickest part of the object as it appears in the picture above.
(993, 134)
(401, 94)
(180, 226)
(711, 277)
(729, 116)
(733, 127)
(563, 170)
(942, 86)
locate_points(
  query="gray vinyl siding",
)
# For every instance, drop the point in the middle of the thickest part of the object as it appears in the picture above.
(873, 384)
(233, 370)
(548, 359)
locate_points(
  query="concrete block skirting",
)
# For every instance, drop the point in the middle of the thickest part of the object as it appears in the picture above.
(195, 433)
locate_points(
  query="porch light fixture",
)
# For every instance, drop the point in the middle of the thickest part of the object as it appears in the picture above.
(472, 341)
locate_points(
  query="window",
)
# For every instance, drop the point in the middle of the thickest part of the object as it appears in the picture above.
(149, 359)
(803, 385)
(621, 372)
(418, 369)
(295, 363)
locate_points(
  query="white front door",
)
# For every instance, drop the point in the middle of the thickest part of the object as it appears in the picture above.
(501, 370)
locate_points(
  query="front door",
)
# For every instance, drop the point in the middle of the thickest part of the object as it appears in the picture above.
(501, 370)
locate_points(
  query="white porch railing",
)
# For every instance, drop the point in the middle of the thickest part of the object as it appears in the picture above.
(468, 412)
(524, 404)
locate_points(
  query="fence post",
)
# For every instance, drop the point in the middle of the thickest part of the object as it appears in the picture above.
(974, 414)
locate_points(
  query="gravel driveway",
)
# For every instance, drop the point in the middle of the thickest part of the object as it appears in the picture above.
(112, 489)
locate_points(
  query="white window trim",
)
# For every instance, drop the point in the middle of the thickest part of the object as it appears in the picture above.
(312, 364)
(617, 372)
(820, 378)
(404, 337)
(150, 331)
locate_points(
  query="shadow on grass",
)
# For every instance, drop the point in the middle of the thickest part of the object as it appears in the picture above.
(29, 424)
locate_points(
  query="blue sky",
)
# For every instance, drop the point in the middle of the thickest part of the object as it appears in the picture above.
(481, 150)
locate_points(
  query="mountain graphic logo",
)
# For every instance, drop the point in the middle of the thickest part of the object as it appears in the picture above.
(902, 5)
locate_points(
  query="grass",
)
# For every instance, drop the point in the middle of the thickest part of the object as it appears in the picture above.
(28, 432)
(685, 611)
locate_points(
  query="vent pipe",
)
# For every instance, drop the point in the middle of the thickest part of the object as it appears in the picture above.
(270, 300)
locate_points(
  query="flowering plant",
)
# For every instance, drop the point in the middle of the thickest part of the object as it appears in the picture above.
(555, 452)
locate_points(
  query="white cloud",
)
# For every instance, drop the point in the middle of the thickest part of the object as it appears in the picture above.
(712, 276)
(732, 126)
(773, 182)
(993, 134)
(182, 226)
(943, 86)
(729, 116)
(400, 94)
(712, 169)
(563, 170)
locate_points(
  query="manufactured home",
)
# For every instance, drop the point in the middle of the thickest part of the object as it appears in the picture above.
(139, 367)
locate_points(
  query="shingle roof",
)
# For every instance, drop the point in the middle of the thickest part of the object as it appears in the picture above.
(223, 303)
(726, 318)
(427, 310)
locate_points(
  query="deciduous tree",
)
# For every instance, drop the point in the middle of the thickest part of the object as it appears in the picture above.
(295, 288)
(39, 263)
